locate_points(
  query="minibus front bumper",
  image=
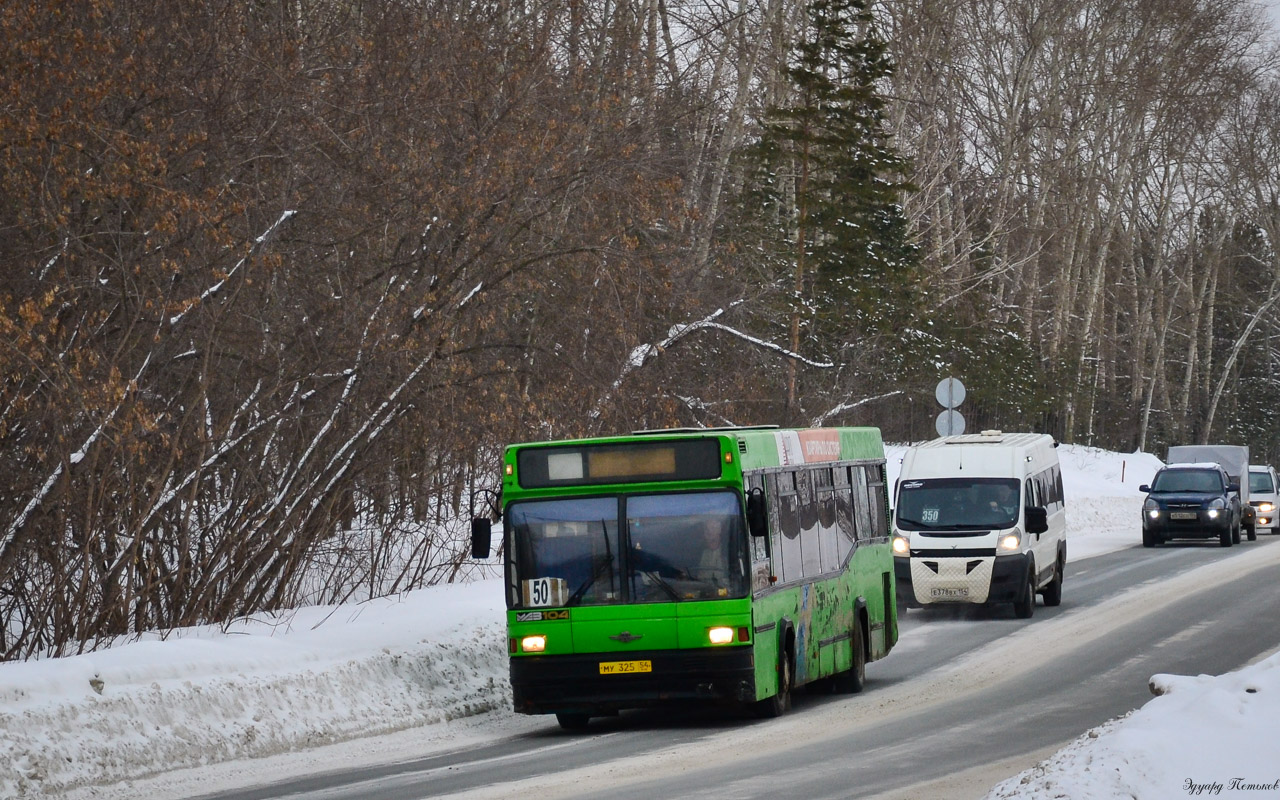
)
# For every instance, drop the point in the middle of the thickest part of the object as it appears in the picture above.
(960, 576)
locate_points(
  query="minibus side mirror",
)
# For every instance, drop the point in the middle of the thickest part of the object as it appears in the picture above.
(757, 514)
(481, 534)
(1037, 519)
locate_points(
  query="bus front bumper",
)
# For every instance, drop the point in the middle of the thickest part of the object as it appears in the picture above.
(574, 683)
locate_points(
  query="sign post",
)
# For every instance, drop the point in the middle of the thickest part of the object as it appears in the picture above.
(950, 394)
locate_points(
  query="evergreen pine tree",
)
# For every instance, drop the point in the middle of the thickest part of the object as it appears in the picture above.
(828, 181)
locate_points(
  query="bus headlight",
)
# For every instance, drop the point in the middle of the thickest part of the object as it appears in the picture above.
(533, 644)
(1010, 541)
(720, 634)
(901, 546)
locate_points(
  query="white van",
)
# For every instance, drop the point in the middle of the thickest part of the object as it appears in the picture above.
(1264, 496)
(980, 518)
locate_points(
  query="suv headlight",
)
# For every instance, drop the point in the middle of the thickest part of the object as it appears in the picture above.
(1151, 508)
(1216, 505)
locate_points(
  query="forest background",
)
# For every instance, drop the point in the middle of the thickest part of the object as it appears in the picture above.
(281, 278)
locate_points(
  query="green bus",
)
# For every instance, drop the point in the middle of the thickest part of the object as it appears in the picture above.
(727, 565)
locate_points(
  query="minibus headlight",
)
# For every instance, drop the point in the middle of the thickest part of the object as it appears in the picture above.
(1010, 541)
(720, 634)
(533, 644)
(901, 546)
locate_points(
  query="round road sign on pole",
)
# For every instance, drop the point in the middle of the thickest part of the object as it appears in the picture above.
(950, 423)
(950, 393)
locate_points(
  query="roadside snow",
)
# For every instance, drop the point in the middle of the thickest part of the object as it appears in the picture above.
(418, 671)
(258, 687)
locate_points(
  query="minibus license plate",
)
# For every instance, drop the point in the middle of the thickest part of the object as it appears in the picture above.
(949, 593)
(1182, 515)
(625, 667)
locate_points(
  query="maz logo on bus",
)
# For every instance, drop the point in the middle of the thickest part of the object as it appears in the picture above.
(541, 616)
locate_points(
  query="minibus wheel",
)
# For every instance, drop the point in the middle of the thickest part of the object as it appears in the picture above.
(1025, 605)
(1052, 593)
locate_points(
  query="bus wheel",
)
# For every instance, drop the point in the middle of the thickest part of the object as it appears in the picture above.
(1025, 605)
(853, 679)
(778, 705)
(573, 722)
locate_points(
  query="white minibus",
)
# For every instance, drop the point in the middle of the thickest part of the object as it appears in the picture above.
(980, 518)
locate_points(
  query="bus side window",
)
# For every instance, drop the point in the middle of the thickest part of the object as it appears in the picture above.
(878, 500)
(788, 560)
(760, 545)
(844, 512)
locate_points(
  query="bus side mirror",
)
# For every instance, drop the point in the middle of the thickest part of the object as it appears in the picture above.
(481, 533)
(757, 515)
(1037, 519)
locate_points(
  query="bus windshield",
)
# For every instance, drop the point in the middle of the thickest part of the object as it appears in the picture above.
(958, 504)
(673, 547)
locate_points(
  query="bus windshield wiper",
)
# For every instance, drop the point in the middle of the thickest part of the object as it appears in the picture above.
(606, 565)
(662, 584)
(605, 562)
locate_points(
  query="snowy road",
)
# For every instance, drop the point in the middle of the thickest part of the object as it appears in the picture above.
(961, 690)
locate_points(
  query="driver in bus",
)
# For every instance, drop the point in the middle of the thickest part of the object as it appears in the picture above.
(713, 564)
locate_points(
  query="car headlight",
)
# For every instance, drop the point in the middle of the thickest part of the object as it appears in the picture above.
(1010, 541)
(901, 546)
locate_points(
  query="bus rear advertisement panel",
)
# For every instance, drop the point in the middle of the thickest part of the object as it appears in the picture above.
(727, 565)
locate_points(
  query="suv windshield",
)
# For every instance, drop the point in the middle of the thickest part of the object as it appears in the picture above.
(1261, 483)
(673, 547)
(1187, 480)
(942, 504)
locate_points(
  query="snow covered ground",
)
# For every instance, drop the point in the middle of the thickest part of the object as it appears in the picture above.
(397, 677)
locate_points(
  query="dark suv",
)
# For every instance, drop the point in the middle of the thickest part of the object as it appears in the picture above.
(1191, 501)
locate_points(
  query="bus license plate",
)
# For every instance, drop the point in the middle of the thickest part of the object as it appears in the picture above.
(1182, 515)
(625, 667)
(949, 594)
